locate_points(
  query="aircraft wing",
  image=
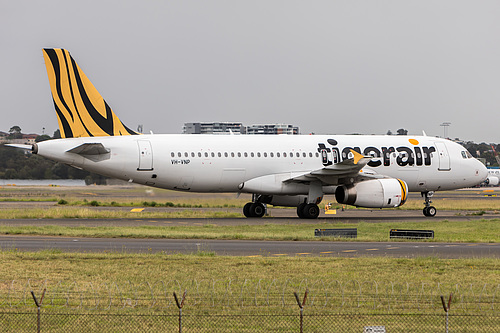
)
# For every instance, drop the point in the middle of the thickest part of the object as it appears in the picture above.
(336, 173)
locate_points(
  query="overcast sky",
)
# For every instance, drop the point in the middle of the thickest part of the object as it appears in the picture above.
(329, 67)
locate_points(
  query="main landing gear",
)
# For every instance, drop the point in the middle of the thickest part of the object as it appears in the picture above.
(254, 209)
(429, 210)
(308, 211)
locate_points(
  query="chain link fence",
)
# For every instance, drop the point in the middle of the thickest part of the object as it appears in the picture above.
(78, 321)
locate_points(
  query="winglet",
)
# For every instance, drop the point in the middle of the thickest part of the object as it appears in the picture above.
(357, 156)
(81, 110)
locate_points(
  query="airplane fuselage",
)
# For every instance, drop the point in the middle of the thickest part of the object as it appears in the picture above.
(220, 163)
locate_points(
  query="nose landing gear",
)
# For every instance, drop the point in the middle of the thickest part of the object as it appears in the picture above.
(429, 210)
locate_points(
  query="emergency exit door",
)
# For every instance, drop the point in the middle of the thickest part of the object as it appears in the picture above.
(145, 156)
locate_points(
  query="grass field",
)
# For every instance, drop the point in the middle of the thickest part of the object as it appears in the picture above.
(483, 231)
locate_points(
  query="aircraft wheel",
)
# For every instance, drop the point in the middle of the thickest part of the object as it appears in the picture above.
(257, 209)
(300, 210)
(246, 209)
(310, 211)
(430, 211)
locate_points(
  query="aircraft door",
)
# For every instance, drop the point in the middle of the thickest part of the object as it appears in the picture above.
(443, 156)
(145, 155)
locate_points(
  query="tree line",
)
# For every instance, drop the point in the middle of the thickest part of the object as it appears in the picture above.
(21, 164)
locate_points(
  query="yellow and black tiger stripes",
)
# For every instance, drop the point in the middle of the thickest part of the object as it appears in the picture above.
(404, 191)
(81, 110)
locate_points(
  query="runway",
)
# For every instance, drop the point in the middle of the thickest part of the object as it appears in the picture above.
(252, 248)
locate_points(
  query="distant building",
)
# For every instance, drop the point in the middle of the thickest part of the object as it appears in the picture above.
(272, 129)
(212, 128)
(238, 128)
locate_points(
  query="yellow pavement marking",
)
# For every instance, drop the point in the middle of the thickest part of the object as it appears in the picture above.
(152, 221)
(392, 248)
(280, 254)
(372, 249)
(302, 253)
(327, 252)
(137, 210)
(254, 256)
(350, 251)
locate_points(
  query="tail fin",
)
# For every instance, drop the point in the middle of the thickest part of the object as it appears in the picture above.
(81, 110)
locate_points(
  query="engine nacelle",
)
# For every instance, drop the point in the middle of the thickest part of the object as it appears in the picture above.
(375, 193)
(492, 181)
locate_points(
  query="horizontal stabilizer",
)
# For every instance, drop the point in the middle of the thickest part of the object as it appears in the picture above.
(89, 149)
(26, 147)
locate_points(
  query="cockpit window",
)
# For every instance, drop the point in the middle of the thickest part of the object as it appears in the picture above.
(466, 154)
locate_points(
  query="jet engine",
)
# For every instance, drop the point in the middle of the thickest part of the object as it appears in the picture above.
(375, 193)
(492, 180)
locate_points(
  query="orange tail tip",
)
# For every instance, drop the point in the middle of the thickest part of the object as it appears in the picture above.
(81, 110)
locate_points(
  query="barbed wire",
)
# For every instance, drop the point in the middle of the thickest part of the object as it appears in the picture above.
(334, 295)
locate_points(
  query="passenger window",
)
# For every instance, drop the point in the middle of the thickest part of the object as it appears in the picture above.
(277, 154)
(317, 154)
(298, 155)
(258, 154)
(239, 154)
(213, 154)
(172, 154)
(265, 154)
(232, 154)
(271, 154)
(186, 154)
(252, 154)
(219, 154)
(225, 154)
(245, 154)
(284, 154)
(179, 154)
(199, 154)
(310, 154)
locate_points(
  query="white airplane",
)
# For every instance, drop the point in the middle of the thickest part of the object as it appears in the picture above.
(282, 170)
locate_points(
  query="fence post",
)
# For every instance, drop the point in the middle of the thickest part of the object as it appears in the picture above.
(180, 305)
(446, 308)
(301, 306)
(38, 306)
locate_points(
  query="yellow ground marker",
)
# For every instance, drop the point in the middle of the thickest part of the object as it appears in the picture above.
(327, 252)
(372, 249)
(152, 221)
(254, 256)
(350, 251)
(392, 248)
(280, 254)
(328, 210)
(300, 254)
(136, 210)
